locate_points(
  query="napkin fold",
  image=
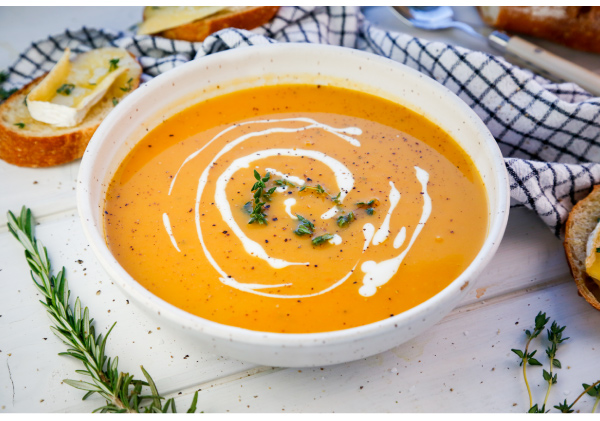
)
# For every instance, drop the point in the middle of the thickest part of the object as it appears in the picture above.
(549, 133)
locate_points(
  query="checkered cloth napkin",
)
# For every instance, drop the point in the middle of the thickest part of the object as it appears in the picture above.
(549, 133)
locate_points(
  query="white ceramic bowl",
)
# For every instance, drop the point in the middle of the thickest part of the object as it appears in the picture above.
(228, 71)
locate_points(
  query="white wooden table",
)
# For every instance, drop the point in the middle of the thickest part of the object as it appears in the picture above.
(463, 364)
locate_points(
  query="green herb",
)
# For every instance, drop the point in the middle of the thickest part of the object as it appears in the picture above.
(554, 338)
(318, 188)
(370, 211)
(65, 89)
(597, 249)
(248, 207)
(370, 204)
(336, 199)
(115, 101)
(4, 94)
(128, 87)
(20, 125)
(321, 239)
(344, 220)
(114, 64)
(74, 326)
(526, 356)
(284, 182)
(305, 228)
(258, 188)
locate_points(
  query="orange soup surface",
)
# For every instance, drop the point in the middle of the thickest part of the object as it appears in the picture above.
(363, 209)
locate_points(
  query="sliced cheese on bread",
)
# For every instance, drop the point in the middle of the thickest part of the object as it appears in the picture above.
(160, 18)
(27, 142)
(70, 90)
(580, 246)
(196, 30)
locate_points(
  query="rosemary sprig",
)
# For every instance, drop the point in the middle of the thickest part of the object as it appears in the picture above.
(317, 241)
(258, 188)
(305, 228)
(73, 326)
(344, 220)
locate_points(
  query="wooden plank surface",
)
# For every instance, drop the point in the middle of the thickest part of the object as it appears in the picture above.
(463, 364)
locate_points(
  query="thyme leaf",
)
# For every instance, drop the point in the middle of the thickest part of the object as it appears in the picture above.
(344, 220)
(113, 64)
(65, 89)
(317, 241)
(305, 228)
(257, 215)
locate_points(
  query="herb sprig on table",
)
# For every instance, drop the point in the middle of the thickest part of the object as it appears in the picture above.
(73, 325)
(555, 338)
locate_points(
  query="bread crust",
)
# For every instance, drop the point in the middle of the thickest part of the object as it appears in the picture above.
(22, 148)
(574, 26)
(198, 30)
(582, 220)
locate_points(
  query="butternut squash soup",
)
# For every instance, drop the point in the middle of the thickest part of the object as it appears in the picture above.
(296, 209)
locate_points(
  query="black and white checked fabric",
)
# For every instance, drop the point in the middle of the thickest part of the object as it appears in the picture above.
(549, 133)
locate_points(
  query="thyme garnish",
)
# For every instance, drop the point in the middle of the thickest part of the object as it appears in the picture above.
(370, 205)
(336, 199)
(113, 64)
(317, 188)
(554, 337)
(128, 87)
(344, 220)
(65, 89)
(20, 125)
(305, 228)
(115, 101)
(258, 188)
(283, 182)
(4, 94)
(73, 326)
(321, 239)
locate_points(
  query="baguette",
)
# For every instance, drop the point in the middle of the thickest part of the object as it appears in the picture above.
(574, 26)
(581, 222)
(27, 142)
(242, 17)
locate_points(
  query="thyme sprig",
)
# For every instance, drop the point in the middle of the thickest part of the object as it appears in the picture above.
(74, 327)
(318, 189)
(260, 192)
(305, 227)
(283, 182)
(555, 338)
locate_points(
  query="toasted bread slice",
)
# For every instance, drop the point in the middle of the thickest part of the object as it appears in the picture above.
(27, 142)
(574, 26)
(243, 17)
(582, 220)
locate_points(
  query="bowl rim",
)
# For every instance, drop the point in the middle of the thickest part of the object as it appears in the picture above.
(211, 328)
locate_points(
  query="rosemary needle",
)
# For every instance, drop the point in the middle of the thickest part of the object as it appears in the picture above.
(74, 326)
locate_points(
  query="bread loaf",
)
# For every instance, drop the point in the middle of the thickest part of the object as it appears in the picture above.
(582, 220)
(574, 26)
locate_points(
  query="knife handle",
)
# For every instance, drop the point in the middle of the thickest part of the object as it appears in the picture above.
(543, 59)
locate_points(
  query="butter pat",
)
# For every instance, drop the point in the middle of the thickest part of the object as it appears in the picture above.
(592, 261)
(71, 89)
(158, 19)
